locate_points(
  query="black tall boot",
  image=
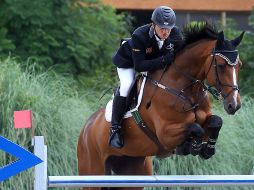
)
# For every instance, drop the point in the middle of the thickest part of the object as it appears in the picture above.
(115, 132)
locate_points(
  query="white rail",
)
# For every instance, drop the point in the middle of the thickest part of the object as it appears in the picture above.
(150, 181)
(42, 181)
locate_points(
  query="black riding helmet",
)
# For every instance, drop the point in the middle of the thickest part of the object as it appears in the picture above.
(164, 17)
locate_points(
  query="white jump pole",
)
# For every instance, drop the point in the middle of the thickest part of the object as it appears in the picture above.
(41, 175)
(42, 182)
(151, 181)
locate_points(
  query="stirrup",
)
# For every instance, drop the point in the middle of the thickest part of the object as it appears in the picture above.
(115, 127)
(115, 137)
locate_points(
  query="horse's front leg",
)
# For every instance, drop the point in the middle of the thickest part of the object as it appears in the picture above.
(213, 124)
(193, 141)
(196, 133)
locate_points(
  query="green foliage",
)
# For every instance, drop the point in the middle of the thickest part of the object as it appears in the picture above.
(5, 44)
(195, 24)
(69, 35)
(99, 85)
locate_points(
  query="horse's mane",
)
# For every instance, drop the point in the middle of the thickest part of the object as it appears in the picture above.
(199, 31)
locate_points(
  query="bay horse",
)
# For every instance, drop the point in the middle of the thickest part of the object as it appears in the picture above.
(179, 119)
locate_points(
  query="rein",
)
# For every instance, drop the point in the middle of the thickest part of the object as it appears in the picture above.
(148, 104)
(216, 93)
(180, 93)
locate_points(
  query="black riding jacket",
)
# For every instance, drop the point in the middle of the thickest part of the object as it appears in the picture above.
(142, 51)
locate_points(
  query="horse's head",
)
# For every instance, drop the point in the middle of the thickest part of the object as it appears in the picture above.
(222, 71)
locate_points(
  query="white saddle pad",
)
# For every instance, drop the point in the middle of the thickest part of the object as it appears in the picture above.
(108, 111)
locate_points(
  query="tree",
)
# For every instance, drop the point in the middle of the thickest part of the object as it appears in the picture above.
(74, 35)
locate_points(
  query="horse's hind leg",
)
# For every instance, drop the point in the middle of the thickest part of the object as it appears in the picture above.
(90, 166)
(89, 162)
(193, 142)
(126, 165)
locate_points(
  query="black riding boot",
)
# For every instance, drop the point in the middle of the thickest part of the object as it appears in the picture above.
(118, 111)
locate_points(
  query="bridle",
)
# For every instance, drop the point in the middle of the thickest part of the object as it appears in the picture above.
(219, 84)
(217, 92)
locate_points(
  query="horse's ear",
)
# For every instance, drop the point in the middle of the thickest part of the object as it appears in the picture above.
(220, 39)
(237, 40)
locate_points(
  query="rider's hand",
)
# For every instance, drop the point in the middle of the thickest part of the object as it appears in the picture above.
(168, 58)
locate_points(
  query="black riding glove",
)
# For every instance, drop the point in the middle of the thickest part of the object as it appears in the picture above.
(168, 58)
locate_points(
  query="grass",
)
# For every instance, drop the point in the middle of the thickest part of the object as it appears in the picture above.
(58, 114)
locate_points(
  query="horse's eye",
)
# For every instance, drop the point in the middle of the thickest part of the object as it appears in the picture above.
(221, 66)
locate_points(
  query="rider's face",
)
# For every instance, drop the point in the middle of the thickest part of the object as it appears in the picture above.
(163, 33)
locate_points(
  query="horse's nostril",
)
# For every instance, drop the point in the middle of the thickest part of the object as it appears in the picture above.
(230, 107)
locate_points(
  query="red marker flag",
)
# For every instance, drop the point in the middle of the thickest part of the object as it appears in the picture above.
(23, 119)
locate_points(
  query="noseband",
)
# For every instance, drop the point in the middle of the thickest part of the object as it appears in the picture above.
(219, 85)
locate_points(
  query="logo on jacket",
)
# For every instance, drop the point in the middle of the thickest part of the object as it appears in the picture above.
(170, 47)
(136, 50)
(149, 50)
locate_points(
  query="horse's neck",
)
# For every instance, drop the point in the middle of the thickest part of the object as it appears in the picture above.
(191, 61)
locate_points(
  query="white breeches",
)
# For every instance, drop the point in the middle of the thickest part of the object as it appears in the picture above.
(127, 78)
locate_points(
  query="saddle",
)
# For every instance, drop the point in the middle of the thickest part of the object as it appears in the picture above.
(133, 100)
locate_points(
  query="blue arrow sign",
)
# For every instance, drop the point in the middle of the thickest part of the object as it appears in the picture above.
(25, 159)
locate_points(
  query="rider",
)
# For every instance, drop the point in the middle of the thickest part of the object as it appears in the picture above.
(150, 48)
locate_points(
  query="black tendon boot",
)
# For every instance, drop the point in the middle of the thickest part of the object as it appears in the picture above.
(214, 125)
(115, 132)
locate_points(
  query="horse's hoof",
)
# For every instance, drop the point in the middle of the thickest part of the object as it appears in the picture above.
(196, 146)
(206, 152)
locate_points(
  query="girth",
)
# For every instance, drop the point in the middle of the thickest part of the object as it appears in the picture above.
(162, 152)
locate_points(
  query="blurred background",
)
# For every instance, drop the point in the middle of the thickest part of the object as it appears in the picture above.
(55, 59)
(190, 10)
